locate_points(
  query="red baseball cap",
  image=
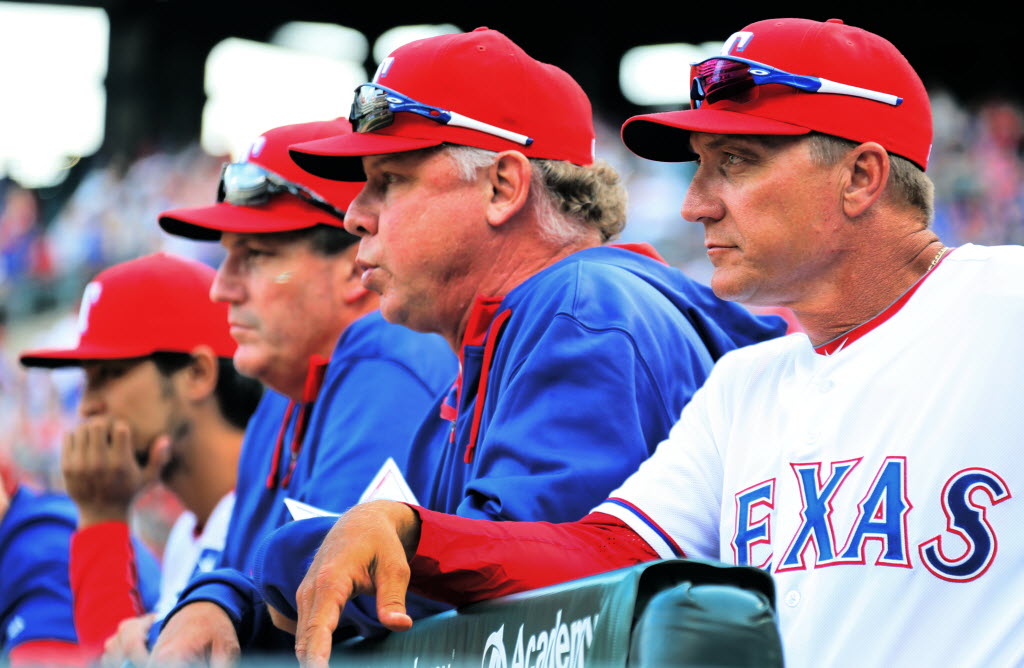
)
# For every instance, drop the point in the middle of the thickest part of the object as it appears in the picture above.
(830, 50)
(482, 75)
(155, 303)
(281, 213)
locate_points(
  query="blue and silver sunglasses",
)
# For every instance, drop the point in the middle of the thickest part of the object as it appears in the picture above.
(375, 106)
(736, 79)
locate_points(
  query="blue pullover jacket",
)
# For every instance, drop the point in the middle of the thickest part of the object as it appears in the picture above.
(380, 381)
(568, 383)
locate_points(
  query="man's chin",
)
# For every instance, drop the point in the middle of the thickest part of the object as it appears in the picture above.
(247, 363)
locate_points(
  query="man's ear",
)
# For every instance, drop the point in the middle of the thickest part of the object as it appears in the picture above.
(200, 377)
(866, 173)
(509, 177)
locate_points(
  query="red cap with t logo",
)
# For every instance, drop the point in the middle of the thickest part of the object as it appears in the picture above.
(283, 212)
(829, 50)
(481, 75)
(156, 303)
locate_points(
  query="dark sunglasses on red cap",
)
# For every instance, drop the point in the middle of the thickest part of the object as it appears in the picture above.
(248, 184)
(375, 106)
(736, 79)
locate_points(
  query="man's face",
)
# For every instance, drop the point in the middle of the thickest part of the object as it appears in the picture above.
(770, 216)
(286, 304)
(135, 392)
(422, 228)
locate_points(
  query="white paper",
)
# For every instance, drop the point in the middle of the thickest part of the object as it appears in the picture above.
(304, 511)
(390, 484)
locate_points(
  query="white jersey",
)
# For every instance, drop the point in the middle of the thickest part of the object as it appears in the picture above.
(881, 485)
(186, 553)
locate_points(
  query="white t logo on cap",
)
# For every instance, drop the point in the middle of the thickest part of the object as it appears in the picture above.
(257, 147)
(90, 296)
(382, 69)
(738, 40)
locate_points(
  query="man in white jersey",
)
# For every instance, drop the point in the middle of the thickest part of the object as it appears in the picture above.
(870, 464)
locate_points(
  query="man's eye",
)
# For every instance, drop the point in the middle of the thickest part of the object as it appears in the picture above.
(106, 373)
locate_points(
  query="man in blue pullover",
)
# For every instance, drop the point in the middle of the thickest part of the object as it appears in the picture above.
(309, 330)
(485, 218)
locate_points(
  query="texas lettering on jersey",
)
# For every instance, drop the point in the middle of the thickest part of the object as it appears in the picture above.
(960, 551)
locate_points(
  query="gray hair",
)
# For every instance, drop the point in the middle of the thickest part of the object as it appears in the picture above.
(573, 201)
(907, 184)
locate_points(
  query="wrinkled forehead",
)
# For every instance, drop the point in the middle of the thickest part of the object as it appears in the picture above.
(401, 158)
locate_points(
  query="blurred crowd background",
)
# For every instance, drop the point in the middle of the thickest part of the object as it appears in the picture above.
(52, 241)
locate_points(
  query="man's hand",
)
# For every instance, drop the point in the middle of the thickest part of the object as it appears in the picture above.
(367, 552)
(101, 472)
(201, 633)
(128, 644)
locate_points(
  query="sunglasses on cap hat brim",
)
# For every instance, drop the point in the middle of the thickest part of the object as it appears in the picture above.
(374, 107)
(249, 184)
(737, 80)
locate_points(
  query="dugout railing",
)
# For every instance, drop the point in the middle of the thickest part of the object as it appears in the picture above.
(659, 614)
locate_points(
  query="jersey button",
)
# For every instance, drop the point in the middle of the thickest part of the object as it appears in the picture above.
(792, 598)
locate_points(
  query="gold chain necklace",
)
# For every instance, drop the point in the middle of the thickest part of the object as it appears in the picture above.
(935, 261)
(938, 256)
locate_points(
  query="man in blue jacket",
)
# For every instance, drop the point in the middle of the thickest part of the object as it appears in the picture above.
(485, 218)
(309, 330)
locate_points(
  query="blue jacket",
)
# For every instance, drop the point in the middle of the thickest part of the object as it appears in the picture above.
(380, 381)
(35, 591)
(590, 364)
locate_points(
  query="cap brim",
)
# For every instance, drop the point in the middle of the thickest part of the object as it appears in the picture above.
(340, 158)
(280, 214)
(55, 358)
(665, 136)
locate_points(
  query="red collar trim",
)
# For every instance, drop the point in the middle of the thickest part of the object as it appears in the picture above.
(643, 248)
(483, 328)
(480, 318)
(9, 479)
(314, 380)
(485, 371)
(844, 340)
(314, 377)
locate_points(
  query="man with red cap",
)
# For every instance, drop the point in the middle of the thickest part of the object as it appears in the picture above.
(161, 402)
(870, 464)
(486, 218)
(346, 389)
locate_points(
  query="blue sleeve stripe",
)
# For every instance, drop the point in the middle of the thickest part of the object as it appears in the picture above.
(652, 527)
